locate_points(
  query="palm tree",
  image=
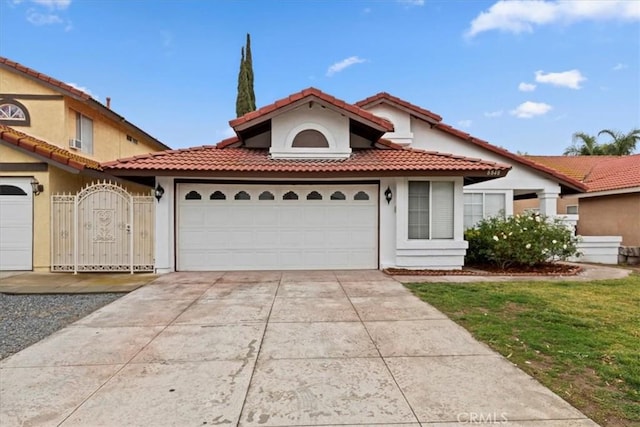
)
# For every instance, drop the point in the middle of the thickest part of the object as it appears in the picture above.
(621, 144)
(583, 144)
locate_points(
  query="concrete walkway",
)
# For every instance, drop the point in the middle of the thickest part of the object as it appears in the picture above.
(270, 349)
(13, 282)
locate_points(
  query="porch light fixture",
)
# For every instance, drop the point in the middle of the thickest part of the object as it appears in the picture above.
(36, 187)
(388, 195)
(159, 192)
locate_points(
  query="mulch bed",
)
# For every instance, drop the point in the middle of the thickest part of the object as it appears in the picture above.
(550, 269)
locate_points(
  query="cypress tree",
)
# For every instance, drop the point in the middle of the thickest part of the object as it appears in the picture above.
(249, 69)
(243, 105)
(245, 98)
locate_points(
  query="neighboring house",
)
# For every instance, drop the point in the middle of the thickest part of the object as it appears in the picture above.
(52, 140)
(419, 128)
(611, 204)
(310, 183)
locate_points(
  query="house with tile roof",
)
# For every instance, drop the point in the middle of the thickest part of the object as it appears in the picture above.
(610, 205)
(310, 182)
(53, 138)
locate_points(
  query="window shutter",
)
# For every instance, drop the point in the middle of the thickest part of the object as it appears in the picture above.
(442, 210)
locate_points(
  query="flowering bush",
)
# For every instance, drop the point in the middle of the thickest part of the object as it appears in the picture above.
(520, 240)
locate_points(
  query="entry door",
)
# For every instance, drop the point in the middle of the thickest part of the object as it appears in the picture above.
(16, 224)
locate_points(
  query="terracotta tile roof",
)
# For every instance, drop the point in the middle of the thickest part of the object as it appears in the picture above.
(390, 159)
(42, 148)
(77, 93)
(43, 77)
(436, 121)
(312, 93)
(598, 173)
(394, 100)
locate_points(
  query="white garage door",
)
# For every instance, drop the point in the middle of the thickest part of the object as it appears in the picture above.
(16, 224)
(266, 227)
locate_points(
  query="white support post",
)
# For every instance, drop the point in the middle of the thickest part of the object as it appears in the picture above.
(548, 202)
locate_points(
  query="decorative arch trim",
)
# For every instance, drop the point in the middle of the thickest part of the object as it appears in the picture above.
(13, 113)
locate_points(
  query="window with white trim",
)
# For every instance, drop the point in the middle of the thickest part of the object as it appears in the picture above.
(478, 206)
(431, 205)
(84, 133)
(572, 209)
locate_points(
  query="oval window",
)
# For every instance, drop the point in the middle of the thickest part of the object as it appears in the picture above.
(193, 195)
(314, 195)
(338, 195)
(310, 138)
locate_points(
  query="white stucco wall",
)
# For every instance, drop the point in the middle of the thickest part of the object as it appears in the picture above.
(334, 126)
(402, 133)
(395, 249)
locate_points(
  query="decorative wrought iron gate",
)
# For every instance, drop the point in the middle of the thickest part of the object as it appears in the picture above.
(102, 228)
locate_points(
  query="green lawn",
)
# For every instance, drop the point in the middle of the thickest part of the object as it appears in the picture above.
(580, 339)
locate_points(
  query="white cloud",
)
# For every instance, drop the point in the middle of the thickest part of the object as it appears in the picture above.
(570, 79)
(530, 109)
(37, 18)
(619, 66)
(526, 87)
(345, 63)
(493, 114)
(54, 4)
(464, 123)
(228, 132)
(412, 2)
(81, 88)
(518, 16)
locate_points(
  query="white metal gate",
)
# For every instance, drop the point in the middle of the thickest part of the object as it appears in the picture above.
(102, 228)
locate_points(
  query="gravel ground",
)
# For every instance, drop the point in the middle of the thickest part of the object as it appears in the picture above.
(26, 319)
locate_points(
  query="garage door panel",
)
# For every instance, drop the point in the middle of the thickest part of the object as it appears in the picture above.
(16, 224)
(277, 233)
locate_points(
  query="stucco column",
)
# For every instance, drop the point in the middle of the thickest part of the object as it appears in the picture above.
(548, 202)
(164, 228)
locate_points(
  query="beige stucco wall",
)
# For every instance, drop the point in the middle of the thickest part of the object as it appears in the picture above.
(617, 215)
(519, 206)
(47, 115)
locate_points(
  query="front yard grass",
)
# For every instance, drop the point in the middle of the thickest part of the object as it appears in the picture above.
(580, 339)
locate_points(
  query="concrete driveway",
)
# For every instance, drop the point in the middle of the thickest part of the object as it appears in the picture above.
(270, 349)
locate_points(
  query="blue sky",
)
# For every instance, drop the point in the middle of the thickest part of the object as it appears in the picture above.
(524, 75)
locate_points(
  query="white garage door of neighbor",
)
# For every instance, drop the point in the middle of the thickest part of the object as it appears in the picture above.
(16, 224)
(268, 227)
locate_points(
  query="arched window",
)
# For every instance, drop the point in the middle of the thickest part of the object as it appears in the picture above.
(266, 195)
(11, 190)
(13, 113)
(338, 195)
(193, 195)
(314, 195)
(290, 195)
(217, 195)
(242, 195)
(310, 138)
(361, 195)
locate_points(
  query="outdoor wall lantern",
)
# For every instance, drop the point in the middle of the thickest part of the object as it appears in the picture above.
(388, 195)
(159, 192)
(36, 187)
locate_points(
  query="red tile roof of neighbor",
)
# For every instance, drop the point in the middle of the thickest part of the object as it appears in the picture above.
(598, 173)
(389, 158)
(301, 96)
(42, 148)
(83, 96)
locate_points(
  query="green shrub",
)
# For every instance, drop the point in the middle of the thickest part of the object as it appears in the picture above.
(520, 240)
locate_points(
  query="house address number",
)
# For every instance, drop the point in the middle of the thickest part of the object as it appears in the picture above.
(493, 172)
